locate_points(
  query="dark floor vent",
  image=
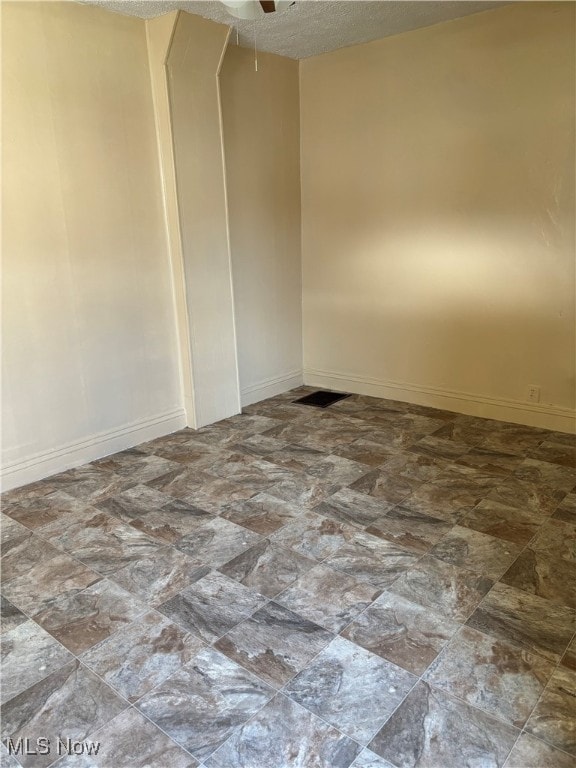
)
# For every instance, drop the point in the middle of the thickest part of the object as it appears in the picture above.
(321, 399)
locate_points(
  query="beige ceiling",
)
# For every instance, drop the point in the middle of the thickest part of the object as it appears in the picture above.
(311, 27)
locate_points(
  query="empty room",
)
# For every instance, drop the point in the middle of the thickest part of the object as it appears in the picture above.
(288, 384)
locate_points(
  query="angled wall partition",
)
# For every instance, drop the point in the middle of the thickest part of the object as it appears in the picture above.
(186, 54)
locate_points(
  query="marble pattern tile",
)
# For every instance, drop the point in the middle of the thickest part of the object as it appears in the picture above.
(181, 447)
(82, 620)
(33, 490)
(262, 514)
(274, 643)
(409, 529)
(235, 428)
(267, 567)
(182, 437)
(553, 476)
(102, 542)
(303, 490)
(44, 583)
(565, 438)
(90, 484)
(10, 616)
(71, 703)
(172, 521)
(11, 532)
(204, 703)
(159, 576)
(181, 482)
(555, 453)
(447, 497)
(140, 468)
(391, 436)
(566, 510)
(526, 620)
(340, 681)
(216, 542)
(422, 420)
(327, 436)
(249, 470)
(28, 655)
(479, 552)
(337, 470)
(295, 457)
(22, 552)
(7, 760)
(327, 597)
(349, 506)
(214, 495)
(556, 539)
(38, 511)
(373, 560)
(462, 430)
(133, 503)
(529, 752)
(368, 759)
(314, 536)
(403, 632)
(569, 658)
(502, 521)
(443, 587)
(366, 452)
(285, 734)
(282, 411)
(212, 605)
(553, 718)
(494, 461)
(545, 575)
(431, 729)
(437, 447)
(131, 741)
(387, 487)
(144, 654)
(258, 445)
(129, 555)
(515, 492)
(491, 674)
(514, 438)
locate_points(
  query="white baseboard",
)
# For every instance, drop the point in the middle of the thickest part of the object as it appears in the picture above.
(532, 414)
(275, 385)
(70, 455)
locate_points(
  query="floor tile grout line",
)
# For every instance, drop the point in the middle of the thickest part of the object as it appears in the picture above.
(153, 607)
(83, 665)
(277, 693)
(557, 666)
(461, 625)
(420, 678)
(131, 705)
(461, 698)
(309, 664)
(112, 574)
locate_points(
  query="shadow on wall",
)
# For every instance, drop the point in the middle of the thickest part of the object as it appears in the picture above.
(438, 207)
(463, 308)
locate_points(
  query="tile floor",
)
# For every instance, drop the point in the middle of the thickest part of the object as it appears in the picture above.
(372, 585)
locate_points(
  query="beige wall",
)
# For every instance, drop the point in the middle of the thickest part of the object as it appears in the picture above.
(438, 215)
(159, 34)
(89, 347)
(193, 64)
(262, 148)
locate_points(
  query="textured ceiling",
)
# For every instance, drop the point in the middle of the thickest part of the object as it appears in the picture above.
(311, 27)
